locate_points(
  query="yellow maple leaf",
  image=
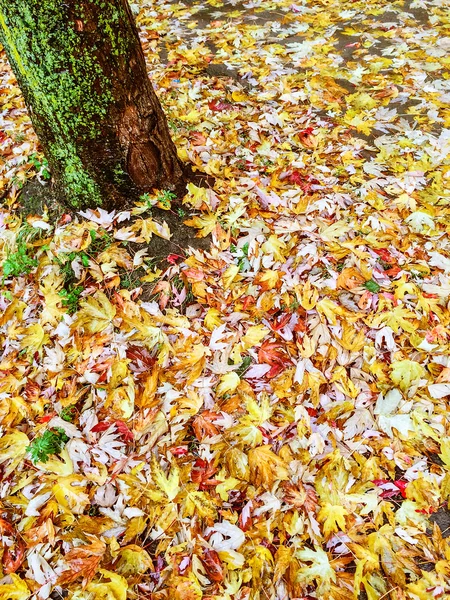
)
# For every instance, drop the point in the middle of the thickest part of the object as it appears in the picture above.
(196, 196)
(268, 279)
(230, 275)
(149, 227)
(351, 339)
(205, 223)
(319, 571)
(114, 589)
(307, 295)
(212, 319)
(35, 338)
(445, 451)
(405, 373)
(17, 590)
(253, 336)
(51, 309)
(228, 383)
(274, 246)
(13, 447)
(69, 493)
(59, 465)
(266, 466)
(96, 313)
(199, 502)
(133, 560)
(170, 484)
(333, 518)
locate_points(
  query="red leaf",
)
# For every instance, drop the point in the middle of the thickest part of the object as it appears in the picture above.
(275, 370)
(179, 451)
(137, 354)
(127, 434)
(101, 426)
(385, 255)
(172, 258)
(393, 271)
(201, 473)
(218, 105)
(213, 565)
(13, 557)
(307, 131)
(271, 353)
(401, 486)
(281, 322)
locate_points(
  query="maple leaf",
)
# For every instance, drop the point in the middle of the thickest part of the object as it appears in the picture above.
(17, 590)
(272, 353)
(203, 427)
(201, 473)
(332, 517)
(319, 571)
(13, 447)
(204, 223)
(405, 373)
(218, 105)
(168, 484)
(83, 562)
(213, 565)
(69, 493)
(35, 338)
(133, 560)
(266, 466)
(114, 589)
(96, 313)
(228, 383)
(200, 503)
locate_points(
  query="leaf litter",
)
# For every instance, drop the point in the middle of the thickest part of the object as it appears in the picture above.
(267, 418)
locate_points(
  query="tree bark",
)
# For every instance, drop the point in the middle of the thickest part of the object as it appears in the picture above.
(82, 71)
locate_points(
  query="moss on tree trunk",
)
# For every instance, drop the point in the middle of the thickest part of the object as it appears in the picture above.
(82, 71)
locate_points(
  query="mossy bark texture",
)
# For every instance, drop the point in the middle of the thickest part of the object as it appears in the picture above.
(82, 71)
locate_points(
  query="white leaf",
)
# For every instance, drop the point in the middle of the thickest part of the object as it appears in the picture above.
(103, 218)
(256, 371)
(36, 503)
(271, 503)
(69, 428)
(386, 405)
(440, 261)
(226, 536)
(439, 390)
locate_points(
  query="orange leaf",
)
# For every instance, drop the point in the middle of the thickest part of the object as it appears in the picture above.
(83, 562)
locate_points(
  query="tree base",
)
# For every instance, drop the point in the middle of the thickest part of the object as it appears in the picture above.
(35, 197)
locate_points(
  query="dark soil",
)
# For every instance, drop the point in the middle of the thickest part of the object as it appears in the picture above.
(442, 518)
(35, 197)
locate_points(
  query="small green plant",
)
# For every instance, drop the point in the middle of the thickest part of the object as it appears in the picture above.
(70, 298)
(242, 256)
(50, 442)
(99, 243)
(18, 263)
(40, 164)
(165, 198)
(181, 212)
(148, 200)
(129, 280)
(68, 413)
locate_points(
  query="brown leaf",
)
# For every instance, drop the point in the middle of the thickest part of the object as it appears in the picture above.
(83, 562)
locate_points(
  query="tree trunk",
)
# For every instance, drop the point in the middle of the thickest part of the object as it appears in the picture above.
(82, 71)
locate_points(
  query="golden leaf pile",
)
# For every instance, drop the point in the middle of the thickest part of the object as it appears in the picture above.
(267, 419)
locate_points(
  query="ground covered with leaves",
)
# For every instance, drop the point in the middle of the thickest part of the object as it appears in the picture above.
(267, 418)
